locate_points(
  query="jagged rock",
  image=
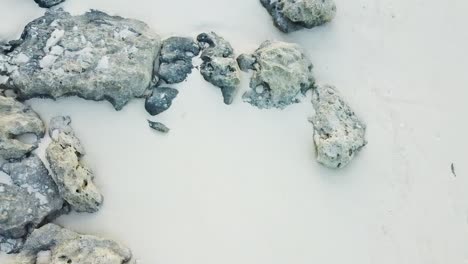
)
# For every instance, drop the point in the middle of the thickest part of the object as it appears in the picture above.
(338, 133)
(69, 247)
(158, 126)
(160, 100)
(48, 3)
(17, 119)
(292, 15)
(219, 66)
(281, 72)
(32, 200)
(176, 59)
(94, 56)
(73, 178)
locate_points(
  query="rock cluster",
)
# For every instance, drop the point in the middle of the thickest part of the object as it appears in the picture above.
(219, 66)
(17, 119)
(73, 178)
(94, 56)
(281, 72)
(292, 15)
(69, 247)
(338, 133)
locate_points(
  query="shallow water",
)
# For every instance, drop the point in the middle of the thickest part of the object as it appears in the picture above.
(234, 184)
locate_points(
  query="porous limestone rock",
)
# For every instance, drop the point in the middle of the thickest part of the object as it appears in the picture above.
(94, 56)
(176, 59)
(281, 72)
(219, 66)
(73, 178)
(338, 133)
(31, 200)
(160, 100)
(292, 15)
(69, 247)
(48, 3)
(160, 127)
(17, 119)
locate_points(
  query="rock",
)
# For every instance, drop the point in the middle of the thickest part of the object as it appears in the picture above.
(176, 59)
(69, 247)
(160, 100)
(17, 119)
(94, 56)
(10, 245)
(73, 178)
(158, 126)
(32, 200)
(48, 3)
(219, 66)
(281, 72)
(292, 15)
(338, 133)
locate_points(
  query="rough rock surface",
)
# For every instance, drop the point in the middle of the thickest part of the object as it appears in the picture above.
(17, 119)
(281, 72)
(73, 178)
(69, 247)
(292, 15)
(176, 59)
(11, 245)
(48, 3)
(160, 100)
(94, 56)
(32, 200)
(338, 133)
(219, 66)
(158, 126)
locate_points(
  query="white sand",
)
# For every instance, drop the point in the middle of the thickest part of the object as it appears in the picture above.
(233, 184)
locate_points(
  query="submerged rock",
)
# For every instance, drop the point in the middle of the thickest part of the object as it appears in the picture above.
(94, 56)
(219, 66)
(292, 15)
(160, 100)
(338, 133)
(32, 200)
(176, 59)
(73, 178)
(281, 72)
(48, 3)
(17, 119)
(69, 247)
(158, 126)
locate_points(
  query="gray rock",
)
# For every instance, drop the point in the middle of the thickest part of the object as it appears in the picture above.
(48, 3)
(158, 126)
(160, 100)
(219, 66)
(281, 72)
(69, 247)
(176, 59)
(94, 56)
(32, 200)
(338, 133)
(292, 15)
(73, 178)
(17, 119)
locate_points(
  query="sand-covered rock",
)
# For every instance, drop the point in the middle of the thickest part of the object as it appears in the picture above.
(94, 56)
(338, 133)
(72, 176)
(292, 15)
(68, 247)
(281, 72)
(219, 66)
(176, 59)
(17, 119)
(32, 199)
